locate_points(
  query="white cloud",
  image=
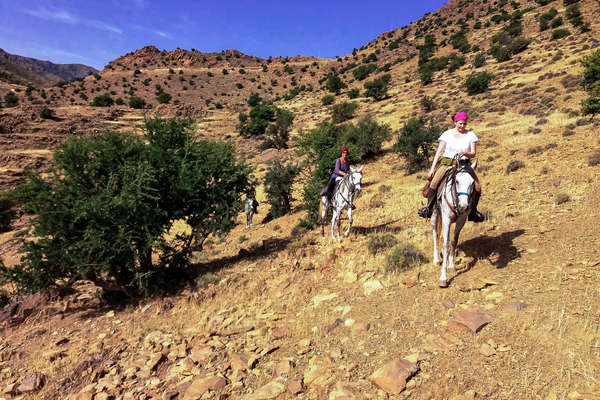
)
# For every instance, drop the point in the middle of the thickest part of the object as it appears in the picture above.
(68, 18)
(154, 31)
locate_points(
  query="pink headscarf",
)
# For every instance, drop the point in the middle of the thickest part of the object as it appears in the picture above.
(460, 116)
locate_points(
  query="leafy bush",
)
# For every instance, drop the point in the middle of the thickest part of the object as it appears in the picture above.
(278, 132)
(11, 99)
(546, 17)
(366, 137)
(379, 243)
(102, 101)
(105, 213)
(363, 71)
(478, 60)
(278, 183)
(7, 211)
(415, 141)
(327, 99)
(403, 257)
(46, 113)
(478, 83)
(163, 97)
(455, 62)
(353, 93)
(119, 101)
(378, 87)
(343, 111)
(427, 104)
(590, 80)
(254, 99)
(560, 33)
(334, 84)
(137, 102)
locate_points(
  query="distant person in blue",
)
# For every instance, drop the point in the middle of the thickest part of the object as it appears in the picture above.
(341, 168)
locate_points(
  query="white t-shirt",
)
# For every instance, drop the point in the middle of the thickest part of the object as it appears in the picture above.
(457, 142)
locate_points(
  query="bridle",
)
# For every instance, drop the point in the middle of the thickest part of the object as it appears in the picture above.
(351, 186)
(458, 167)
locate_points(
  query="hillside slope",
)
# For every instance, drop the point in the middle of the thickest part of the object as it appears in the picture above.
(274, 312)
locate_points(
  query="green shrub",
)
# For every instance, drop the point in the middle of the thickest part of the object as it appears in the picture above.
(455, 62)
(7, 211)
(415, 142)
(278, 132)
(163, 97)
(137, 102)
(327, 99)
(46, 113)
(478, 83)
(377, 244)
(353, 93)
(343, 111)
(363, 71)
(590, 80)
(105, 214)
(334, 84)
(403, 257)
(427, 104)
(560, 33)
(556, 22)
(102, 101)
(278, 183)
(119, 101)
(378, 87)
(366, 137)
(254, 99)
(478, 60)
(11, 99)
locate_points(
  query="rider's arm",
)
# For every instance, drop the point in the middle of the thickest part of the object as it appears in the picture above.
(472, 151)
(338, 171)
(438, 154)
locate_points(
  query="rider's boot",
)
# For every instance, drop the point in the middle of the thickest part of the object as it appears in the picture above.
(474, 215)
(426, 211)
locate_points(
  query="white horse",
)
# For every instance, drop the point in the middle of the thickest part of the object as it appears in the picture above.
(453, 206)
(249, 210)
(346, 189)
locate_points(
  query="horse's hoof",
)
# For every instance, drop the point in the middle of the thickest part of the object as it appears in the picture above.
(443, 283)
(452, 269)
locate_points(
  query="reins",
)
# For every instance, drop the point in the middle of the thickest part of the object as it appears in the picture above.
(457, 168)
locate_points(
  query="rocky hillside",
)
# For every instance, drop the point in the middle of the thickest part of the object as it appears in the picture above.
(49, 70)
(277, 312)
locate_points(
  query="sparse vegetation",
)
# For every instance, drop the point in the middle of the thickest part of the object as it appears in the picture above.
(377, 88)
(560, 33)
(46, 113)
(427, 104)
(327, 99)
(137, 102)
(334, 84)
(514, 165)
(590, 80)
(403, 257)
(11, 99)
(102, 101)
(378, 244)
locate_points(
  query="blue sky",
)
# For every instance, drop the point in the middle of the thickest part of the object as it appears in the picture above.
(96, 32)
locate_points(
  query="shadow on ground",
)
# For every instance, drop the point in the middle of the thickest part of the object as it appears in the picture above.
(499, 250)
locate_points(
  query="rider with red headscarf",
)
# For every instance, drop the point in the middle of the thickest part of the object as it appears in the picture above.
(460, 142)
(341, 168)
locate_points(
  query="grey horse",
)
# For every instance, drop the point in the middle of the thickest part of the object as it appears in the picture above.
(347, 188)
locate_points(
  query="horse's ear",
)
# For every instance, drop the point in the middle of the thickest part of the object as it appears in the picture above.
(474, 164)
(360, 169)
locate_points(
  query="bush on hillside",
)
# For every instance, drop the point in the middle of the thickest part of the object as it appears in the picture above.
(560, 33)
(163, 97)
(378, 88)
(137, 102)
(254, 99)
(363, 71)
(415, 142)
(377, 244)
(278, 132)
(478, 83)
(353, 93)
(427, 104)
(102, 101)
(590, 80)
(343, 111)
(334, 84)
(7, 211)
(46, 113)
(478, 60)
(403, 257)
(11, 99)
(327, 99)
(278, 183)
(105, 214)
(366, 137)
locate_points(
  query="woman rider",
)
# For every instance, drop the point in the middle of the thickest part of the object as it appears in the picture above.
(341, 168)
(456, 141)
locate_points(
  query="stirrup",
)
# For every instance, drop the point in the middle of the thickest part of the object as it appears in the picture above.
(424, 212)
(476, 216)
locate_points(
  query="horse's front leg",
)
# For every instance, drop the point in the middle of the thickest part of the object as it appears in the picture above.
(339, 225)
(334, 218)
(454, 245)
(434, 221)
(349, 220)
(324, 206)
(446, 237)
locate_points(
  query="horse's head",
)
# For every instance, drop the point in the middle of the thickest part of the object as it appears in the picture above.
(356, 178)
(464, 188)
